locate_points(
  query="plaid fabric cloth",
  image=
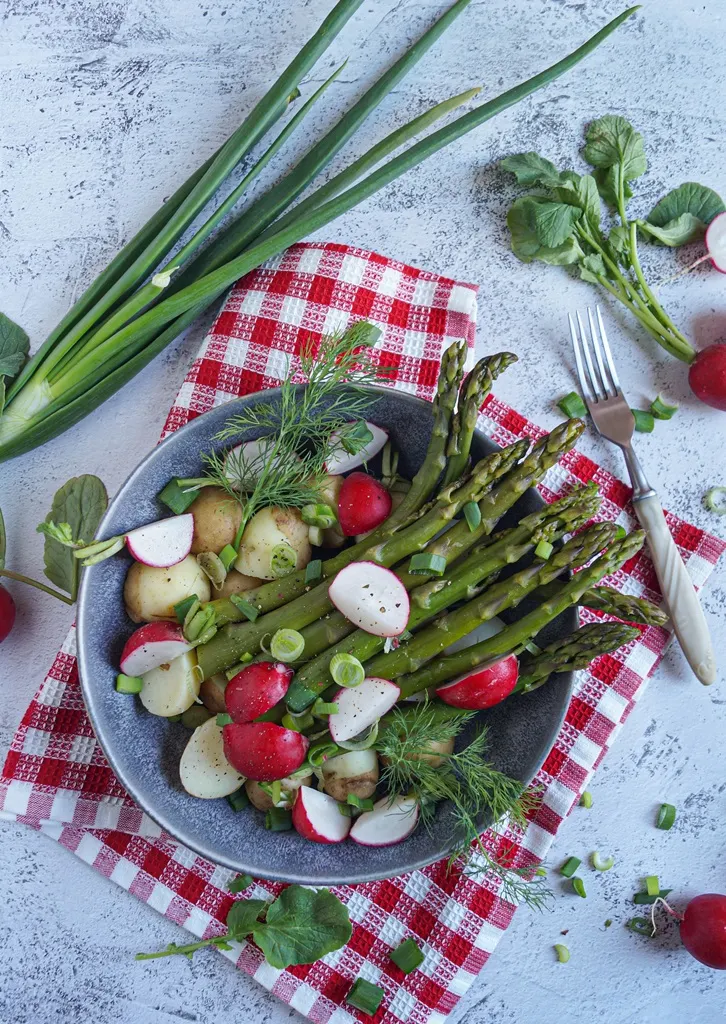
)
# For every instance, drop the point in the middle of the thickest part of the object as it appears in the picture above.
(57, 781)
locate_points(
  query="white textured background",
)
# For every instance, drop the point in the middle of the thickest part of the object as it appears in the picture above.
(105, 107)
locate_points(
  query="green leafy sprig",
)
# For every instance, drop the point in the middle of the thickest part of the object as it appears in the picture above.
(299, 927)
(562, 224)
(469, 782)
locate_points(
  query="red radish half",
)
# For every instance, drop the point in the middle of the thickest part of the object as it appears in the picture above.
(390, 822)
(703, 929)
(264, 751)
(372, 598)
(256, 689)
(707, 375)
(363, 504)
(482, 688)
(164, 542)
(342, 461)
(361, 706)
(317, 816)
(716, 241)
(154, 644)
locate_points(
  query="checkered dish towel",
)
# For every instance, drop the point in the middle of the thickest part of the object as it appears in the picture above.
(56, 779)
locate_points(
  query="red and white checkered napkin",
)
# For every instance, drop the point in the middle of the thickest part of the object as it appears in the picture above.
(57, 781)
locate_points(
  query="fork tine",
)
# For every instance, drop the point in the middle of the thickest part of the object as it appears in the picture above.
(584, 386)
(597, 389)
(608, 386)
(608, 354)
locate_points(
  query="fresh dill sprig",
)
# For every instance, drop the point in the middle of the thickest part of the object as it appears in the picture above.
(297, 426)
(468, 781)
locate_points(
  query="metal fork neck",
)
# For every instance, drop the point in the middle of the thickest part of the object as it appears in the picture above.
(641, 487)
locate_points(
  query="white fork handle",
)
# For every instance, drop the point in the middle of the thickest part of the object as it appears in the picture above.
(684, 608)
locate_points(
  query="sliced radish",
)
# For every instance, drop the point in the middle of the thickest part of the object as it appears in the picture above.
(716, 241)
(372, 598)
(256, 689)
(482, 688)
(264, 751)
(361, 706)
(172, 688)
(341, 461)
(317, 816)
(163, 543)
(151, 645)
(249, 459)
(390, 822)
(364, 504)
(203, 769)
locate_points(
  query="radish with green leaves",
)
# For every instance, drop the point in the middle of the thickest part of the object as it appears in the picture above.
(564, 226)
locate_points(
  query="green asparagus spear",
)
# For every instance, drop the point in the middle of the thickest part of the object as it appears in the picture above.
(573, 652)
(236, 639)
(474, 390)
(513, 637)
(433, 596)
(430, 642)
(273, 595)
(622, 606)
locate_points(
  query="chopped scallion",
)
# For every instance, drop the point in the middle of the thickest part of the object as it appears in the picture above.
(314, 571)
(666, 817)
(407, 956)
(365, 996)
(283, 560)
(246, 607)
(278, 819)
(181, 609)
(176, 498)
(573, 406)
(213, 567)
(652, 885)
(346, 670)
(641, 926)
(129, 684)
(240, 883)
(345, 809)
(287, 645)
(715, 500)
(586, 799)
(662, 410)
(239, 799)
(644, 421)
(322, 708)
(228, 556)
(472, 514)
(601, 863)
(425, 564)
(318, 515)
(578, 886)
(320, 751)
(563, 953)
(543, 550)
(298, 723)
(276, 791)
(570, 866)
(361, 803)
(645, 899)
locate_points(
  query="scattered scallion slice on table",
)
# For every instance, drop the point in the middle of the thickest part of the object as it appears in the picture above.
(715, 500)
(573, 406)
(641, 926)
(644, 421)
(648, 899)
(128, 684)
(365, 996)
(601, 863)
(578, 886)
(662, 410)
(570, 866)
(666, 817)
(563, 953)
(407, 956)
(586, 799)
(652, 885)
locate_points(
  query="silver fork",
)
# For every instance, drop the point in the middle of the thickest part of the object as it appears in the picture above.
(612, 416)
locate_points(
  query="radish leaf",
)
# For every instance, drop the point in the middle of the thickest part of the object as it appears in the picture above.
(683, 214)
(14, 347)
(526, 244)
(583, 192)
(79, 505)
(242, 918)
(554, 222)
(592, 265)
(532, 169)
(302, 926)
(613, 140)
(607, 185)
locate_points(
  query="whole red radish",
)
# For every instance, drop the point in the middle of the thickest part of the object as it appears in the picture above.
(483, 688)
(7, 613)
(263, 751)
(363, 504)
(703, 929)
(707, 375)
(256, 689)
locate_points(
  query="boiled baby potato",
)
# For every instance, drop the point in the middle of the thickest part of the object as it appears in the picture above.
(262, 800)
(266, 530)
(171, 688)
(217, 518)
(355, 772)
(150, 593)
(236, 583)
(203, 769)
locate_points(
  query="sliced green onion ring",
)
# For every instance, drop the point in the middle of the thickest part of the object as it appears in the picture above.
(320, 751)
(578, 886)
(662, 410)
(563, 953)
(543, 550)
(666, 817)
(570, 866)
(213, 568)
(346, 670)
(129, 684)
(298, 723)
(278, 819)
(715, 500)
(360, 803)
(176, 498)
(181, 609)
(652, 885)
(426, 564)
(246, 607)
(472, 514)
(586, 799)
(318, 515)
(641, 926)
(408, 956)
(283, 560)
(287, 645)
(362, 741)
(644, 899)
(601, 863)
(644, 421)
(365, 996)
(228, 556)
(321, 708)
(573, 406)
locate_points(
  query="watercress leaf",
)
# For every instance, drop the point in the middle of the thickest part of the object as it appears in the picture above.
(532, 169)
(79, 503)
(526, 246)
(680, 231)
(302, 926)
(590, 266)
(613, 140)
(554, 222)
(242, 918)
(14, 347)
(607, 185)
(701, 203)
(584, 194)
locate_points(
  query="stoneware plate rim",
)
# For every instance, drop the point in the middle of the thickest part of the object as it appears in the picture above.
(369, 864)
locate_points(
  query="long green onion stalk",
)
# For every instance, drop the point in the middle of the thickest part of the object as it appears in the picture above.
(144, 299)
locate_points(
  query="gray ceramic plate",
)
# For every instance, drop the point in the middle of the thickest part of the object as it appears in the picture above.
(144, 750)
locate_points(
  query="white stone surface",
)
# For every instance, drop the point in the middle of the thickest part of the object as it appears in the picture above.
(105, 106)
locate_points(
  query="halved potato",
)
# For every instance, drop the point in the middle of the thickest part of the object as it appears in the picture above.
(203, 769)
(173, 687)
(266, 530)
(150, 593)
(217, 517)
